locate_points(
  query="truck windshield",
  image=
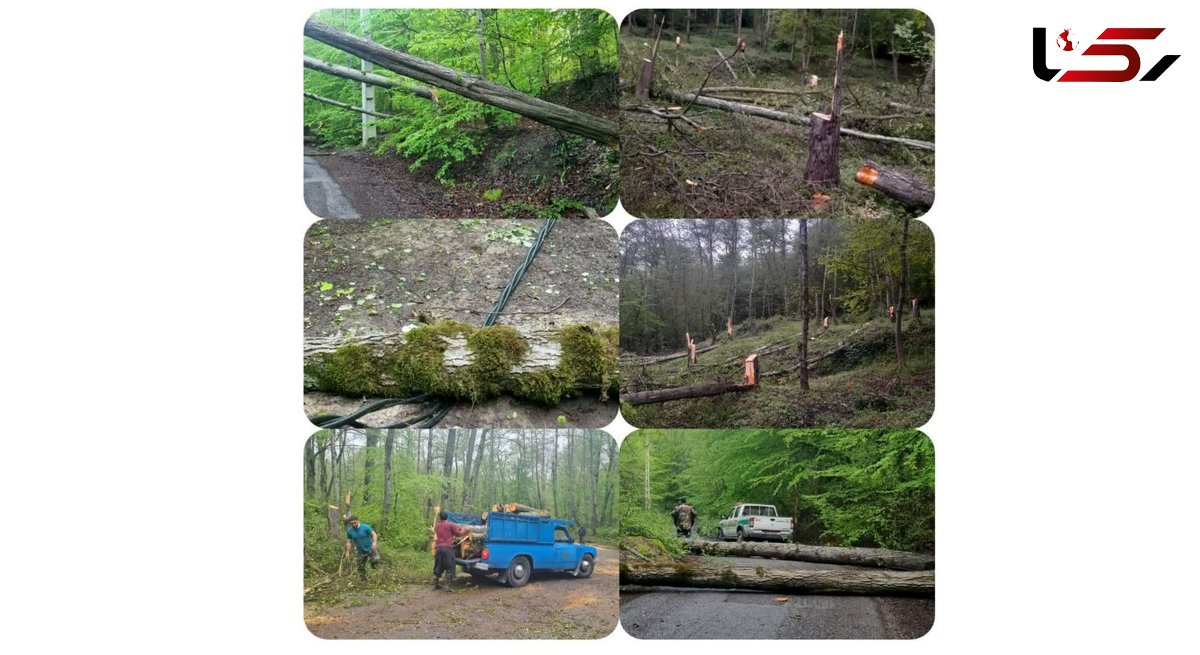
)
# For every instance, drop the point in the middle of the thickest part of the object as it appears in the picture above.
(561, 535)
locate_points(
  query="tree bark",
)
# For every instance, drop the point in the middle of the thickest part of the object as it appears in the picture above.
(909, 191)
(369, 463)
(368, 78)
(335, 103)
(804, 304)
(785, 117)
(389, 443)
(696, 391)
(649, 361)
(900, 287)
(860, 582)
(467, 466)
(876, 557)
(646, 474)
(479, 34)
(466, 85)
(822, 170)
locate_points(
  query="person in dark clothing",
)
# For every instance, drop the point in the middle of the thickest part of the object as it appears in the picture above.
(365, 542)
(446, 551)
(684, 516)
(582, 535)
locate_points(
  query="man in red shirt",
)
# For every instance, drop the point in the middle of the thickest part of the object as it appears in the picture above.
(443, 559)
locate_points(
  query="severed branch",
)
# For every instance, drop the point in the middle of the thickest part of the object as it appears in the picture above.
(741, 47)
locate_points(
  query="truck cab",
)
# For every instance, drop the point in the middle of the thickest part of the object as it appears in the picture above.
(750, 521)
(518, 544)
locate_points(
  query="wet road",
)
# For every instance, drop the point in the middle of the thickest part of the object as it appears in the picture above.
(747, 615)
(322, 194)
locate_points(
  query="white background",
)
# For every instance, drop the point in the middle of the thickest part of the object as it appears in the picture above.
(151, 263)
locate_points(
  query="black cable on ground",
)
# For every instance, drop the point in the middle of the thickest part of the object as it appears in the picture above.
(443, 407)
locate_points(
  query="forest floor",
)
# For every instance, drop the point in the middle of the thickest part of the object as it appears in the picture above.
(746, 167)
(550, 606)
(721, 614)
(855, 388)
(371, 277)
(529, 170)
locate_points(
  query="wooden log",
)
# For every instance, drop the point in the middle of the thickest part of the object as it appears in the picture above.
(335, 103)
(650, 361)
(725, 60)
(367, 78)
(861, 582)
(467, 85)
(909, 191)
(928, 111)
(875, 557)
(755, 89)
(784, 117)
(678, 393)
(518, 508)
(821, 171)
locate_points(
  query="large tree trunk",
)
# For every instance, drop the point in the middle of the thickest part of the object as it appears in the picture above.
(389, 443)
(467, 466)
(369, 463)
(646, 474)
(785, 117)
(479, 34)
(900, 298)
(367, 78)
(863, 582)
(697, 391)
(822, 171)
(877, 557)
(907, 190)
(804, 304)
(648, 361)
(466, 85)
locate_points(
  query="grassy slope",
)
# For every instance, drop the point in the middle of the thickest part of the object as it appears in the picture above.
(858, 387)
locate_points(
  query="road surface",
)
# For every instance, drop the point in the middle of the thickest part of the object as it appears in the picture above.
(747, 615)
(322, 193)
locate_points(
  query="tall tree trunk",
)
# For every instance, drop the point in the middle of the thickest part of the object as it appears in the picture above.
(900, 298)
(609, 483)
(467, 467)
(554, 474)
(687, 30)
(804, 304)
(737, 17)
(310, 467)
(369, 463)
(646, 477)
(540, 467)
(895, 56)
(389, 443)
(479, 34)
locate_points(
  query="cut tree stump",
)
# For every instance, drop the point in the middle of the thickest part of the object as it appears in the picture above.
(862, 582)
(467, 85)
(821, 171)
(876, 557)
(678, 393)
(907, 190)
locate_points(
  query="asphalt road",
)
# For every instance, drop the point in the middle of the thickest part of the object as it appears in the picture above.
(747, 615)
(322, 194)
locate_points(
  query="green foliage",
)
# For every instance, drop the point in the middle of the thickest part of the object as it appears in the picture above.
(556, 208)
(843, 487)
(492, 195)
(653, 527)
(514, 233)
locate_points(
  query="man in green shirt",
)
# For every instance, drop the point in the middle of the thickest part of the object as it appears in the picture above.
(366, 545)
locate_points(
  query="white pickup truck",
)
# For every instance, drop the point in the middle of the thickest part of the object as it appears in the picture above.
(749, 521)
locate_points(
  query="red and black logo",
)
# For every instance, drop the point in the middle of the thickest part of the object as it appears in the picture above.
(1108, 44)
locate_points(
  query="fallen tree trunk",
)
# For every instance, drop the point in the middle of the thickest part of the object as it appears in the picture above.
(725, 60)
(466, 85)
(861, 582)
(367, 78)
(928, 111)
(335, 103)
(450, 359)
(665, 358)
(697, 391)
(785, 117)
(755, 89)
(518, 508)
(876, 557)
(909, 191)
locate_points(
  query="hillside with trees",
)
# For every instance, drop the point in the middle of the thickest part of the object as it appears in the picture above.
(838, 314)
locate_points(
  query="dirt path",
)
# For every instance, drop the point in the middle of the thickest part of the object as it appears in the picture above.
(551, 606)
(748, 615)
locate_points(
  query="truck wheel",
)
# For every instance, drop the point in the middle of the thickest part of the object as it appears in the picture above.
(586, 566)
(741, 534)
(720, 534)
(518, 571)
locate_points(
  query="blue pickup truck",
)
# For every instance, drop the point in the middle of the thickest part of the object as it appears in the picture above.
(518, 544)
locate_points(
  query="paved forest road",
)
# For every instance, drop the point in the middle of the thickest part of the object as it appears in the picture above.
(745, 615)
(551, 606)
(322, 193)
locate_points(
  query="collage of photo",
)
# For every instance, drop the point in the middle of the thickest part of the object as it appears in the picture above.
(535, 230)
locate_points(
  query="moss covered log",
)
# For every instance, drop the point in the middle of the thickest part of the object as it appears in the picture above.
(793, 581)
(465, 362)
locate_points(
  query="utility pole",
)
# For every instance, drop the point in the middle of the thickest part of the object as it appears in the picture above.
(368, 91)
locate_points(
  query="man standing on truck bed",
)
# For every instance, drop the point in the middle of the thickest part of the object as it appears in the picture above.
(684, 516)
(443, 558)
(366, 545)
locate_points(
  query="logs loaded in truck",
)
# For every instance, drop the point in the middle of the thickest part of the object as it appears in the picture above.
(508, 547)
